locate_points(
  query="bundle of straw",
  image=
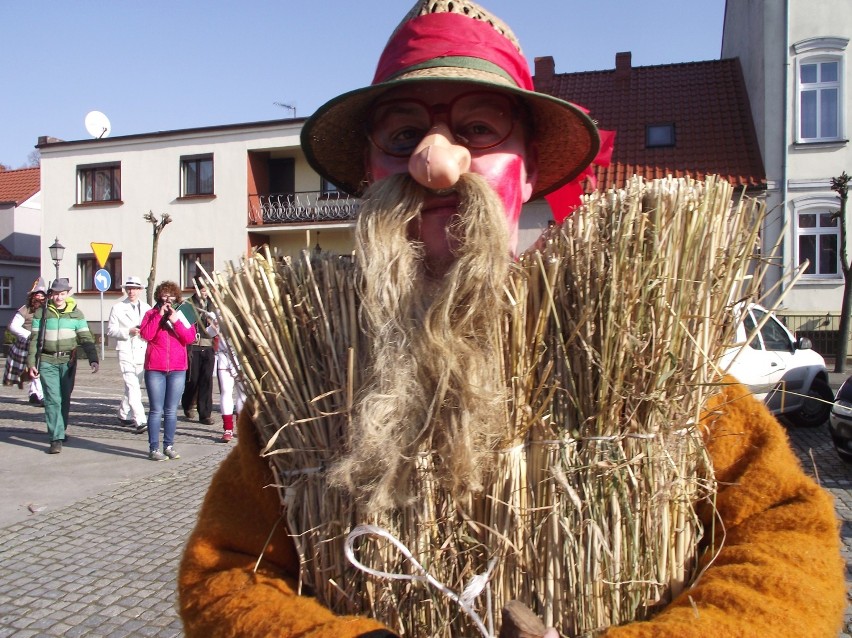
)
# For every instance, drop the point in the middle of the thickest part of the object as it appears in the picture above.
(589, 516)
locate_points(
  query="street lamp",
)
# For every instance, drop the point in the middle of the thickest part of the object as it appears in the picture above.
(57, 251)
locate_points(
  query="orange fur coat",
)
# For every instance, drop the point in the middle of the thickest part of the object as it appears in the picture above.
(779, 572)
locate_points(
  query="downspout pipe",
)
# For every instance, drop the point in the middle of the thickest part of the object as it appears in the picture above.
(788, 246)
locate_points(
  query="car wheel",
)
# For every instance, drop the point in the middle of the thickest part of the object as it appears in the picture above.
(816, 408)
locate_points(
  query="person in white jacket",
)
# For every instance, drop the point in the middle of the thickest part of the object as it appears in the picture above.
(124, 320)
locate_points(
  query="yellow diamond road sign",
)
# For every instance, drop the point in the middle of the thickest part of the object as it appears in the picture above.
(101, 252)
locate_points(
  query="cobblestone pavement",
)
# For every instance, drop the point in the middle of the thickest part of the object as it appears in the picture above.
(105, 565)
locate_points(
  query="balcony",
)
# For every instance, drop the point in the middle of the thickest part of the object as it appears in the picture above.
(300, 208)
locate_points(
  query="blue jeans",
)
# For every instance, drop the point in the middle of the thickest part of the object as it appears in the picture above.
(164, 392)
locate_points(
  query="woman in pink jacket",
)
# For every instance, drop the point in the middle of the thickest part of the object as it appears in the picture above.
(168, 333)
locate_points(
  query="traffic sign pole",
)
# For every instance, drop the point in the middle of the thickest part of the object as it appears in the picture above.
(102, 325)
(103, 281)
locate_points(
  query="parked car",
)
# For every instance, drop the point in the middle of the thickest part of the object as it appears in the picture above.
(840, 421)
(784, 372)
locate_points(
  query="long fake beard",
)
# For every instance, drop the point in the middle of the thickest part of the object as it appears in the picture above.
(435, 382)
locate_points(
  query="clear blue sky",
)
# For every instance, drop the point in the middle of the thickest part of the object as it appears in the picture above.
(161, 65)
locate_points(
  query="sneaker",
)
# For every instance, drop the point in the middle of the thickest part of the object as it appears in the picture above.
(142, 427)
(171, 453)
(55, 447)
(227, 435)
(156, 455)
(126, 421)
(206, 420)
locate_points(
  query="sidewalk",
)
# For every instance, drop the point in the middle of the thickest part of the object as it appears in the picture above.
(92, 536)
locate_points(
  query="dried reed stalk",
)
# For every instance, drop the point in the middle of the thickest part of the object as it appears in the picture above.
(609, 347)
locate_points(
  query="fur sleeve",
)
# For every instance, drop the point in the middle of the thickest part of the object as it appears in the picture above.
(219, 593)
(779, 571)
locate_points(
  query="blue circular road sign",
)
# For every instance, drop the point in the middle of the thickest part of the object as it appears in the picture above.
(102, 280)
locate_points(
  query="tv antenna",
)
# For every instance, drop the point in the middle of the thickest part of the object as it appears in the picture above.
(97, 124)
(286, 106)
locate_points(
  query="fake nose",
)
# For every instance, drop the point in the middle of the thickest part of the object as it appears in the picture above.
(438, 162)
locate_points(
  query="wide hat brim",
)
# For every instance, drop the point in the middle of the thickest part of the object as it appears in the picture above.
(335, 142)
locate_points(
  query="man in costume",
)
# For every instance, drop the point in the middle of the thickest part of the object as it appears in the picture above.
(61, 329)
(125, 317)
(456, 140)
(202, 358)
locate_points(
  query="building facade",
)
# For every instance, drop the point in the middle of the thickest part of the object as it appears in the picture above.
(20, 231)
(795, 59)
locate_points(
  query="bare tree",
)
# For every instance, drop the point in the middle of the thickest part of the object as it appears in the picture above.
(158, 226)
(34, 159)
(840, 185)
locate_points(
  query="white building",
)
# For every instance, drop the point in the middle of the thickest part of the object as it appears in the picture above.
(795, 59)
(20, 231)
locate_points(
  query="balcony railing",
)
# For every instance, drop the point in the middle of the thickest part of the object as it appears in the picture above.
(294, 208)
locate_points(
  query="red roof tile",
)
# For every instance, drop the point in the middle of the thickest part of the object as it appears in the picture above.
(705, 101)
(19, 185)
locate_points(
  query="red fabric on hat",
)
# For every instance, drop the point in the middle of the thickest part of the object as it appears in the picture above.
(439, 35)
(564, 200)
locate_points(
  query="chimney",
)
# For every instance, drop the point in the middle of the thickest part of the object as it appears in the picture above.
(544, 70)
(44, 140)
(623, 61)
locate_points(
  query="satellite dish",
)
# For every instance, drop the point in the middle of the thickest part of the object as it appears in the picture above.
(97, 124)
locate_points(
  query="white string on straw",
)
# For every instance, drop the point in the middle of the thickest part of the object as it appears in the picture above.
(465, 600)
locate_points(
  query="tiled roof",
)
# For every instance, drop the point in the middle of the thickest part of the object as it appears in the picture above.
(19, 185)
(705, 101)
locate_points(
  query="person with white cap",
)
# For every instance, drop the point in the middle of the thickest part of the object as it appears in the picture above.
(444, 148)
(125, 317)
(52, 356)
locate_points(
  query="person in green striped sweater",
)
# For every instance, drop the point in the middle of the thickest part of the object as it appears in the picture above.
(52, 356)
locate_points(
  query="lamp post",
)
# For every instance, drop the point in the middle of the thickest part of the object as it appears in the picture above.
(57, 251)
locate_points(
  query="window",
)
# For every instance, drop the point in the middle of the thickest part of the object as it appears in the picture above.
(100, 183)
(818, 241)
(819, 101)
(327, 187)
(196, 175)
(5, 292)
(772, 335)
(659, 135)
(87, 266)
(819, 89)
(188, 267)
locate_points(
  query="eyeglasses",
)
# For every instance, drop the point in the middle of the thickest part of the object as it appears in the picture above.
(478, 120)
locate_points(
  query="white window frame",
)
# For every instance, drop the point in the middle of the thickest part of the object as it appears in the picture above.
(6, 292)
(816, 206)
(819, 51)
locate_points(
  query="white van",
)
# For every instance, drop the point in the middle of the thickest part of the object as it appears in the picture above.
(785, 373)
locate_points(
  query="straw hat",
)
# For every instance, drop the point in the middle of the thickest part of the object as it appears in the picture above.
(456, 41)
